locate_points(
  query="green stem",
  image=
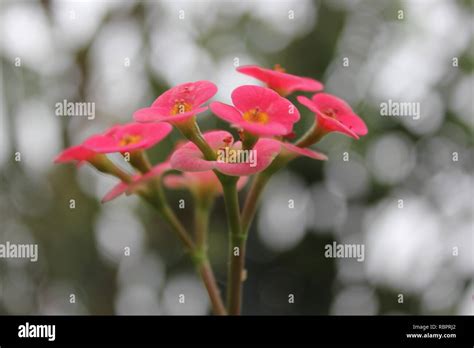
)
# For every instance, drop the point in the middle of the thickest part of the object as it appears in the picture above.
(249, 140)
(201, 216)
(236, 249)
(191, 131)
(169, 216)
(139, 160)
(201, 220)
(252, 200)
(210, 283)
(197, 253)
(104, 165)
(312, 136)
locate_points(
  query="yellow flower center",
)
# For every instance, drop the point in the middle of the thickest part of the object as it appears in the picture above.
(180, 107)
(130, 139)
(256, 116)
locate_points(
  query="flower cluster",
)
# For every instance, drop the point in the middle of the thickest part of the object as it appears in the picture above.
(217, 161)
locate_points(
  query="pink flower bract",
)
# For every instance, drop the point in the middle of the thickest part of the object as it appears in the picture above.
(137, 181)
(78, 154)
(206, 182)
(280, 81)
(189, 158)
(304, 152)
(178, 103)
(258, 110)
(128, 137)
(334, 115)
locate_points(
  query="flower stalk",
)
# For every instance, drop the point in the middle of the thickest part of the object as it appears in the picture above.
(236, 249)
(203, 205)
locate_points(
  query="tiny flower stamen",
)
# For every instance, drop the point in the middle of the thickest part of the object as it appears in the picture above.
(256, 116)
(129, 139)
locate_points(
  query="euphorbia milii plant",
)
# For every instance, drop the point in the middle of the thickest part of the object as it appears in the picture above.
(217, 162)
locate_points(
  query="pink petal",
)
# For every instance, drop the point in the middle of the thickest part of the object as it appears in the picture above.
(150, 114)
(308, 103)
(137, 181)
(333, 125)
(101, 144)
(204, 90)
(190, 160)
(328, 101)
(305, 84)
(266, 150)
(194, 93)
(249, 97)
(218, 139)
(144, 115)
(354, 123)
(74, 153)
(304, 151)
(281, 80)
(226, 112)
(346, 121)
(283, 112)
(116, 191)
(265, 130)
(150, 134)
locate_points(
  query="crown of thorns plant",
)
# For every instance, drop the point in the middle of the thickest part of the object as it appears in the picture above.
(214, 162)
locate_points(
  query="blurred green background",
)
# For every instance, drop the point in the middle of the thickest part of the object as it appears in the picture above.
(121, 55)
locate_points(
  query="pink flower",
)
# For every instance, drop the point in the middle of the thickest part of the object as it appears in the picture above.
(299, 151)
(231, 159)
(199, 182)
(128, 137)
(138, 181)
(178, 103)
(258, 110)
(77, 154)
(280, 81)
(334, 115)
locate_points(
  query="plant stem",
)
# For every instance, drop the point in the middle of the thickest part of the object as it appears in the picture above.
(168, 215)
(105, 165)
(236, 239)
(252, 200)
(313, 135)
(139, 160)
(190, 130)
(207, 276)
(199, 257)
(201, 223)
(202, 209)
(236, 249)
